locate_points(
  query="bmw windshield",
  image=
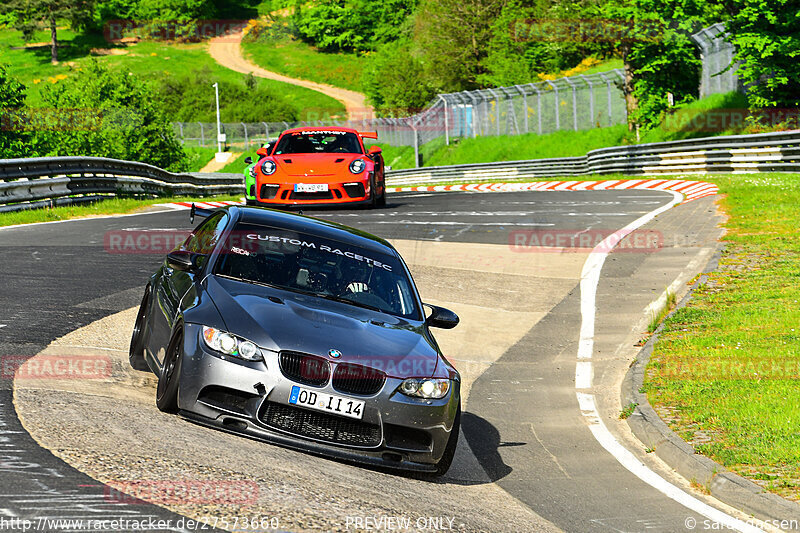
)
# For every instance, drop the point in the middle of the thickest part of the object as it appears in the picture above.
(322, 267)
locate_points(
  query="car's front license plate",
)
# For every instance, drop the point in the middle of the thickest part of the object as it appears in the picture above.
(329, 403)
(310, 187)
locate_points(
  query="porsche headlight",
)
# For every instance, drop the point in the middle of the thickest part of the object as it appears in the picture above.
(268, 167)
(229, 344)
(358, 166)
(429, 388)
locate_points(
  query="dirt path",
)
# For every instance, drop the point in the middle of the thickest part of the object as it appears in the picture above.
(226, 50)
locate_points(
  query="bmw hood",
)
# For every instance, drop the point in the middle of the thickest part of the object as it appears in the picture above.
(282, 320)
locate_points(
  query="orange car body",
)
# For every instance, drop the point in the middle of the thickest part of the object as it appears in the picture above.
(319, 166)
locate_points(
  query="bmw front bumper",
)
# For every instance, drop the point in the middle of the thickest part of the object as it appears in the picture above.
(252, 398)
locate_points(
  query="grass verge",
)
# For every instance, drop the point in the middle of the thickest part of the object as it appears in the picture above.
(725, 372)
(112, 206)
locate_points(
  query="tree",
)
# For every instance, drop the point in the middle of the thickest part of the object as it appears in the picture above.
(658, 55)
(394, 80)
(452, 36)
(766, 34)
(31, 15)
(105, 113)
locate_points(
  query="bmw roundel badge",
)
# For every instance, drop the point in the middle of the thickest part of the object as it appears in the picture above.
(336, 354)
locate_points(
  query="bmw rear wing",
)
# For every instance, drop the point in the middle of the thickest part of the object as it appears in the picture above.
(199, 211)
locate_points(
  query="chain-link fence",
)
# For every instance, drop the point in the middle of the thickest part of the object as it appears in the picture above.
(717, 55)
(574, 103)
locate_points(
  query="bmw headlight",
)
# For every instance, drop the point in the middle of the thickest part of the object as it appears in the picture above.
(429, 388)
(268, 167)
(358, 166)
(229, 344)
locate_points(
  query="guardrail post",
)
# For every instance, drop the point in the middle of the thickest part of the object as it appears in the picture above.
(266, 130)
(416, 143)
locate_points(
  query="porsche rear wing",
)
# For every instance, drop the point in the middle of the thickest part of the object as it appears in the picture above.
(368, 134)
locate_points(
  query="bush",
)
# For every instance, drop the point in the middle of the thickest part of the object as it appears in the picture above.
(120, 116)
(395, 82)
(190, 98)
(14, 142)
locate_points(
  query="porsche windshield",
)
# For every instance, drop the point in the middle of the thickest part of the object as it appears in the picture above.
(319, 142)
(325, 268)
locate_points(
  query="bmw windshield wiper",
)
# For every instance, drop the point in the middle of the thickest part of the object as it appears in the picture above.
(346, 301)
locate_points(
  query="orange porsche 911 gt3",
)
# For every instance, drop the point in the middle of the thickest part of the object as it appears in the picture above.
(318, 166)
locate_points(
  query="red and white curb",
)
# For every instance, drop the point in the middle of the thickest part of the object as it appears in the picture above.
(690, 190)
(201, 205)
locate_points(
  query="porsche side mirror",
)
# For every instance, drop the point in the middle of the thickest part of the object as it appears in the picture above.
(441, 318)
(248, 160)
(374, 150)
(182, 260)
(262, 151)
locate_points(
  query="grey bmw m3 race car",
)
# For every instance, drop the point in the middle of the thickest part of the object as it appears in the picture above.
(304, 333)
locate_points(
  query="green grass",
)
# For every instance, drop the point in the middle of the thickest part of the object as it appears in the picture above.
(605, 66)
(104, 207)
(507, 148)
(701, 118)
(726, 367)
(199, 156)
(277, 50)
(148, 59)
(238, 165)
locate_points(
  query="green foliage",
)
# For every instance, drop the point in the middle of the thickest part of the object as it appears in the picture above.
(13, 141)
(354, 25)
(190, 98)
(31, 15)
(521, 46)
(395, 81)
(124, 119)
(766, 34)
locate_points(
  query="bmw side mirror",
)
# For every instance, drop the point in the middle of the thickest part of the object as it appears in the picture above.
(441, 318)
(248, 160)
(182, 260)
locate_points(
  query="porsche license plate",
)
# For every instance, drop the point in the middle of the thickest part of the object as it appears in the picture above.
(310, 187)
(329, 403)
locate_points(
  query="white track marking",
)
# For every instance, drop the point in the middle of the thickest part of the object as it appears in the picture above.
(2, 325)
(590, 277)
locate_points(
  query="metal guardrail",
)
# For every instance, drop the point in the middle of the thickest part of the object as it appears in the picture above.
(764, 152)
(42, 182)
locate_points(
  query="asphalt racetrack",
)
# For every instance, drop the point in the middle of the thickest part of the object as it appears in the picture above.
(509, 264)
